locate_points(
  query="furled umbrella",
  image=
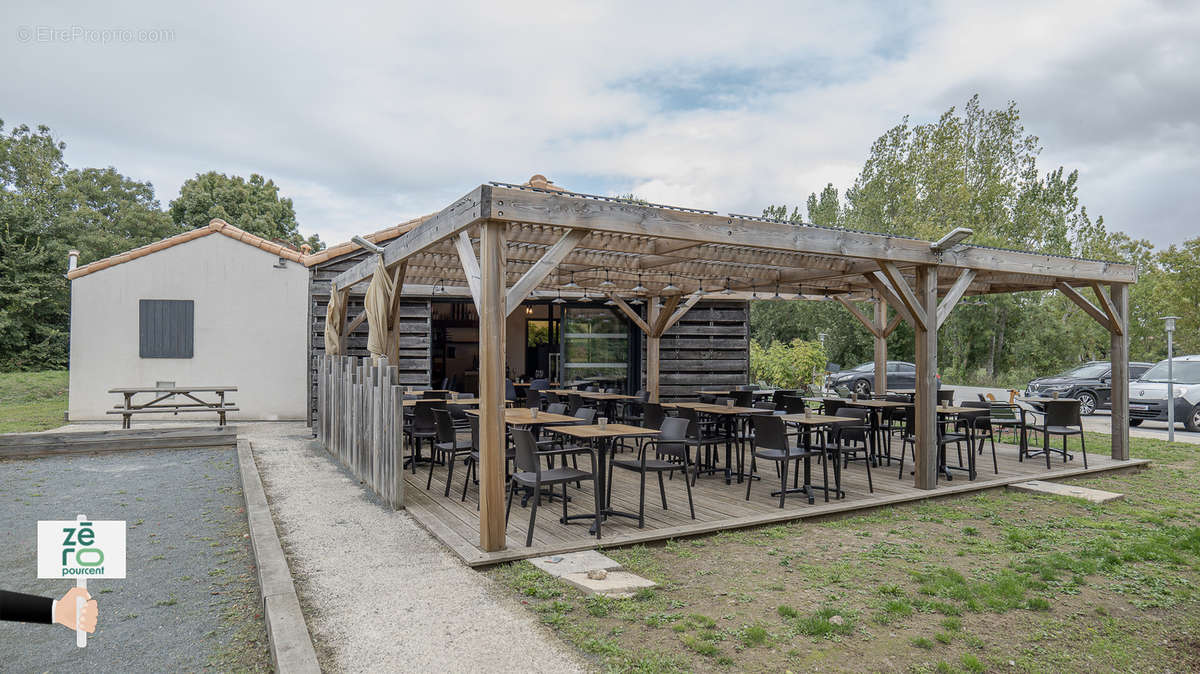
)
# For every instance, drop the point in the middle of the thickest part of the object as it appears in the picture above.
(335, 317)
(379, 298)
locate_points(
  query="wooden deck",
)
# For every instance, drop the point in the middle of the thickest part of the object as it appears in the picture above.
(718, 506)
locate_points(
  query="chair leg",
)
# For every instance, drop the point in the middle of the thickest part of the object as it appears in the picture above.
(512, 487)
(662, 489)
(432, 461)
(995, 466)
(533, 504)
(1046, 448)
(1082, 447)
(467, 477)
(749, 480)
(870, 484)
(453, 459)
(642, 502)
(689, 487)
(783, 481)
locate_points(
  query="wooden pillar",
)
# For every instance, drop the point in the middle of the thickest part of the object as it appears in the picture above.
(492, 314)
(881, 353)
(1119, 355)
(652, 349)
(925, 344)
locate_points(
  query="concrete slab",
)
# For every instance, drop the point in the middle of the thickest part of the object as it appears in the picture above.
(574, 562)
(615, 583)
(1059, 489)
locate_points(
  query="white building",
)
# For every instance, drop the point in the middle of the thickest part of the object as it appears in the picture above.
(215, 306)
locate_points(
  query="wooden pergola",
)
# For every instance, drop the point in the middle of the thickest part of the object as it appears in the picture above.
(506, 243)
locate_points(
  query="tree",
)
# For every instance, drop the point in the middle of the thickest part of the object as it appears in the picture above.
(252, 205)
(110, 214)
(977, 169)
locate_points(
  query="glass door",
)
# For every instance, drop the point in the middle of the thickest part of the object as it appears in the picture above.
(595, 347)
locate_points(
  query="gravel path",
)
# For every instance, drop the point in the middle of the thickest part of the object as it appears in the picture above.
(190, 598)
(379, 593)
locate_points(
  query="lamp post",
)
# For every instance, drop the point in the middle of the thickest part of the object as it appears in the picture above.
(1170, 321)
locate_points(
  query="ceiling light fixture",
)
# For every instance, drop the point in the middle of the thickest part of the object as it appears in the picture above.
(572, 283)
(639, 288)
(670, 287)
(607, 282)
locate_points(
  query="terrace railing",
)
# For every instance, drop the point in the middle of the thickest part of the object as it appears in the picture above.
(360, 421)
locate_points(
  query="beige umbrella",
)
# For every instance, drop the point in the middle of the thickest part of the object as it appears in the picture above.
(335, 316)
(379, 298)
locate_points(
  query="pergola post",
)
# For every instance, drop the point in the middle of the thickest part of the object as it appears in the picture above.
(881, 350)
(1119, 355)
(652, 348)
(492, 315)
(924, 301)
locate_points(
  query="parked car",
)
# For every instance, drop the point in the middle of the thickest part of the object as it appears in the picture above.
(1148, 395)
(1091, 383)
(861, 379)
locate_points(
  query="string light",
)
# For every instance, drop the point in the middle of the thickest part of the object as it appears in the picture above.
(670, 287)
(639, 288)
(607, 282)
(728, 290)
(572, 283)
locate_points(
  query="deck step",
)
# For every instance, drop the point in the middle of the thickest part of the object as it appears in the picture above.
(1059, 489)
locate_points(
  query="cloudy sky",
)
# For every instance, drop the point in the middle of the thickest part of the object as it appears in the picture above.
(368, 116)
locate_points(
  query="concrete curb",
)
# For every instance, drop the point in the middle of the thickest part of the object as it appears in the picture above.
(291, 647)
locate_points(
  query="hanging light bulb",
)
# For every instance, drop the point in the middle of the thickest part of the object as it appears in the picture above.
(610, 303)
(777, 296)
(639, 288)
(754, 295)
(727, 290)
(636, 301)
(585, 299)
(559, 299)
(572, 283)
(670, 287)
(607, 282)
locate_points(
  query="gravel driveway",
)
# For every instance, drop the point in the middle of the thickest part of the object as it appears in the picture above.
(190, 599)
(380, 594)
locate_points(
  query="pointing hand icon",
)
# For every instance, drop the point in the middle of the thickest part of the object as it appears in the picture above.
(64, 610)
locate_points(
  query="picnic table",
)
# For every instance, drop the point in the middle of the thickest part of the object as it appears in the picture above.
(163, 401)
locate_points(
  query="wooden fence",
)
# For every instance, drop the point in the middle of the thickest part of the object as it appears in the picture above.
(360, 420)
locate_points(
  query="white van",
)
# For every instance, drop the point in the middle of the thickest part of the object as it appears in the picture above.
(1148, 395)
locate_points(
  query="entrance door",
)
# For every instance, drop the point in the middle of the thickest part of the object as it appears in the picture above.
(595, 347)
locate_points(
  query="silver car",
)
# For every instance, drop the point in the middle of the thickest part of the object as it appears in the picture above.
(1148, 395)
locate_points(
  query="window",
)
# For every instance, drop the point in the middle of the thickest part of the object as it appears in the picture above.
(165, 328)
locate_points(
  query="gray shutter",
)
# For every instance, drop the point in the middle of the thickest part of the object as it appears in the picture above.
(166, 328)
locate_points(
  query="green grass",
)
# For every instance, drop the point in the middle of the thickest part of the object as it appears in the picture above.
(32, 401)
(966, 584)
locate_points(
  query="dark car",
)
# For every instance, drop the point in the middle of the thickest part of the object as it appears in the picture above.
(1090, 383)
(900, 375)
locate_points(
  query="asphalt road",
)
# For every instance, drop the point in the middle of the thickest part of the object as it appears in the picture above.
(189, 600)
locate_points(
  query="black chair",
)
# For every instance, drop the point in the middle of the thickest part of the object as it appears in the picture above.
(556, 408)
(533, 400)
(1007, 416)
(1061, 417)
(945, 397)
(423, 427)
(771, 444)
(981, 428)
(433, 395)
(552, 398)
(707, 399)
(458, 413)
(699, 435)
(473, 457)
(793, 404)
(447, 446)
(653, 415)
(743, 398)
(574, 402)
(852, 438)
(671, 454)
(530, 474)
(510, 391)
(780, 394)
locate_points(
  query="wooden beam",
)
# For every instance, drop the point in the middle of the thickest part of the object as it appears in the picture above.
(652, 350)
(542, 268)
(355, 323)
(862, 318)
(1083, 303)
(467, 211)
(630, 313)
(953, 295)
(925, 344)
(881, 350)
(470, 265)
(1114, 318)
(881, 286)
(659, 326)
(902, 289)
(684, 226)
(393, 339)
(679, 313)
(1119, 356)
(491, 386)
(892, 324)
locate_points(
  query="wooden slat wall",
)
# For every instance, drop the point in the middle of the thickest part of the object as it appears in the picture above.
(413, 366)
(708, 348)
(360, 421)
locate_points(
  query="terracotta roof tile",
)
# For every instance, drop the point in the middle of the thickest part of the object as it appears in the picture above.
(217, 226)
(386, 234)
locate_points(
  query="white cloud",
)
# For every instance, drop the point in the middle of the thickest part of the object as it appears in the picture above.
(367, 117)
